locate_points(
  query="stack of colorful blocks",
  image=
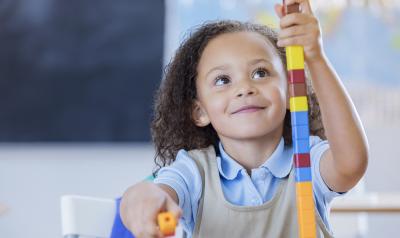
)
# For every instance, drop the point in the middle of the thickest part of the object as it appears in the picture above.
(300, 135)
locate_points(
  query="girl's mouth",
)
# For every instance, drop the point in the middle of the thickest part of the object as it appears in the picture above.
(248, 109)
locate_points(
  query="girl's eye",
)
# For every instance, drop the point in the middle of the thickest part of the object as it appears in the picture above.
(221, 80)
(260, 73)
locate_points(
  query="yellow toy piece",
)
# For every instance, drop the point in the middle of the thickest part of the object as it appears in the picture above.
(167, 223)
(294, 57)
(298, 104)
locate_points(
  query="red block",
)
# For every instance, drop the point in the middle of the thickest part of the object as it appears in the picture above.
(290, 8)
(296, 76)
(297, 89)
(301, 160)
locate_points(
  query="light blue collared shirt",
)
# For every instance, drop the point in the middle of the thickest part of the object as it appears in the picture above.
(239, 188)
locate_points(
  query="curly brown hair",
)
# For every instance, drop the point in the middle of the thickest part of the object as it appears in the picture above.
(173, 127)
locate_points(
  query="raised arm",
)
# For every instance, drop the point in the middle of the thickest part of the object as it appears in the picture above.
(343, 165)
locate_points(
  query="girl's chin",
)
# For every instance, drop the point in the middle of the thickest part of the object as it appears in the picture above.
(247, 134)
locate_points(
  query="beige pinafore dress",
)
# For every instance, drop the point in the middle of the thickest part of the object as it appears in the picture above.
(216, 217)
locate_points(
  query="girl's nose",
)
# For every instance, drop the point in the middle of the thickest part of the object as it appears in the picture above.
(245, 89)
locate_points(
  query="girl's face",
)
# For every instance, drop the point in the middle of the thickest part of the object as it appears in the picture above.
(241, 87)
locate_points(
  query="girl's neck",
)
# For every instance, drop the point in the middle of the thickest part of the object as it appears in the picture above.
(252, 153)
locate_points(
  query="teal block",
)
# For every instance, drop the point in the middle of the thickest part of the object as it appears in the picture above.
(149, 178)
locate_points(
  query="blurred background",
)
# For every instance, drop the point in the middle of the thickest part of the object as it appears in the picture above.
(77, 79)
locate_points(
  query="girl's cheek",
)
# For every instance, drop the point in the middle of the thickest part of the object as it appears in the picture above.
(218, 105)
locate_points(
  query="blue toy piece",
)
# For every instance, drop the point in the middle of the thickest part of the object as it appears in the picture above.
(299, 118)
(303, 174)
(301, 146)
(300, 132)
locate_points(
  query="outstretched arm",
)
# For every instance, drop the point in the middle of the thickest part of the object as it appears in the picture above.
(343, 165)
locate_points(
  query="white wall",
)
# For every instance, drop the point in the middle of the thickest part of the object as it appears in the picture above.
(33, 177)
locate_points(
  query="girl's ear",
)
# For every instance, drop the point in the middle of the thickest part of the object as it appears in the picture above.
(199, 115)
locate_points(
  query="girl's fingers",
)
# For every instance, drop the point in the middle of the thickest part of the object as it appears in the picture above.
(152, 230)
(302, 40)
(174, 208)
(305, 6)
(293, 31)
(279, 10)
(146, 225)
(146, 229)
(296, 19)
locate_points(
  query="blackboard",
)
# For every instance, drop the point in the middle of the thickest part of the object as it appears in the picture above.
(79, 70)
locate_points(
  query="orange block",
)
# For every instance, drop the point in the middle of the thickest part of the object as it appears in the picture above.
(304, 189)
(305, 203)
(167, 223)
(307, 227)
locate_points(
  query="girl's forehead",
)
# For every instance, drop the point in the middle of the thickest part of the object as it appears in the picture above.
(241, 40)
(235, 46)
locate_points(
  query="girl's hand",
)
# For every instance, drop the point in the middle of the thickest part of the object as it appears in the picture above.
(140, 206)
(300, 29)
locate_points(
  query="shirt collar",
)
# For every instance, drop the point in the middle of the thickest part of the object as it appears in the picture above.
(279, 163)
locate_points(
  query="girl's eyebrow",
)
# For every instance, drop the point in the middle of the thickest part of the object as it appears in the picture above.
(256, 61)
(251, 62)
(220, 67)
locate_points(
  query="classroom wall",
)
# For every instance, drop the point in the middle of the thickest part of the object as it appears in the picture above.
(33, 177)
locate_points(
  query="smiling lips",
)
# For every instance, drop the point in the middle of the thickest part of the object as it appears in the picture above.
(248, 109)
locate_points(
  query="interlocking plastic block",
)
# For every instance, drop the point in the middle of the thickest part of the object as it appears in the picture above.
(303, 174)
(307, 227)
(298, 104)
(299, 118)
(294, 57)
(304, 189)
(297, 90)
(296, 76)
(301, 146)
(290, 8)
(305, 202)
(167, 223)
(301, 160)
(300, 132)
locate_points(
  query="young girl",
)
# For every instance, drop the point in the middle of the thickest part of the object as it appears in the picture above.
(222, 132)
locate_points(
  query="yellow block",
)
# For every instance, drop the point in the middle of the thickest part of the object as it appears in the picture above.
(295, 57)
(167, 223)
(304, 189)
(298, 104)
(307, 227)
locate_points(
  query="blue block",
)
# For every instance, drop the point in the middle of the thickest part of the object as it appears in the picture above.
(299, 118)
(301, 146)
(300, 132)
(303, 174)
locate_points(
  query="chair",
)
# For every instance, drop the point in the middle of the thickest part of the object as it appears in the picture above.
(86, 216)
